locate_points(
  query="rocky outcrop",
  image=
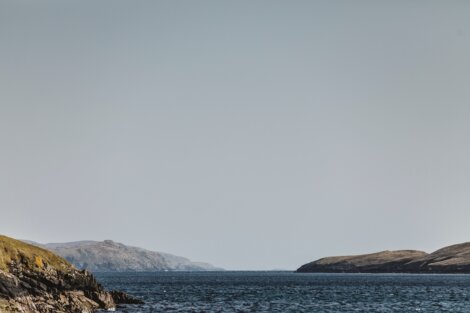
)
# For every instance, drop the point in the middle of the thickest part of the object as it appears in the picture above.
(36, 280)
(452, 259)
(110, 256)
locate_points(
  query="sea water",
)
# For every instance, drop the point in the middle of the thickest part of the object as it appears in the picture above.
(291, 292)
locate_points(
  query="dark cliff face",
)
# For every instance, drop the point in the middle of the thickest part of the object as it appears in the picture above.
(451, 259)
(35, 280)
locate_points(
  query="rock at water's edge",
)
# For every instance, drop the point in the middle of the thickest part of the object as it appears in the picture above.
(33, 280)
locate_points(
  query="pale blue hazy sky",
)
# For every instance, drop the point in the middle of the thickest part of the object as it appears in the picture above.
(249, 134)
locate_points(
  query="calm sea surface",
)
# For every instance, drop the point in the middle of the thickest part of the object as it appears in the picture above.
(290, 292)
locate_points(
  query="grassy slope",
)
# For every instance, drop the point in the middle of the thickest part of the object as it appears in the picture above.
(33, 257)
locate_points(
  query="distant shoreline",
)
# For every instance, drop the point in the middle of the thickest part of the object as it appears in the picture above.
(453, 259)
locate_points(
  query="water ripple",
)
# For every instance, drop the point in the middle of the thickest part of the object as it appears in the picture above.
(290, 292)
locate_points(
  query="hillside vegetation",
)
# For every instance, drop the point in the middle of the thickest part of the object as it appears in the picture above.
(33, 257)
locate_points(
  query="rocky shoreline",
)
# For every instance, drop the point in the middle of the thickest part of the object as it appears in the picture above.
(34, 280)
(453, 259)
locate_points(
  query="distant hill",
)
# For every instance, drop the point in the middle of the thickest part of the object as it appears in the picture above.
(110, 256)
(451, 259)
(382, 262)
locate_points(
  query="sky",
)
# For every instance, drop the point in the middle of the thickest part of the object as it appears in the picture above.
(254, 135)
